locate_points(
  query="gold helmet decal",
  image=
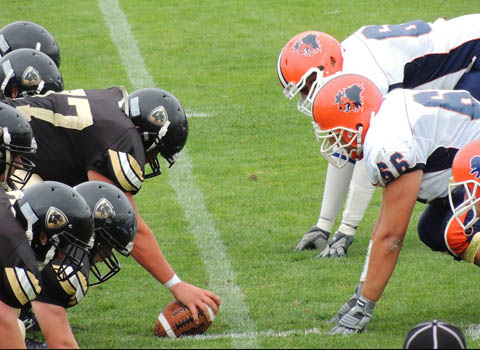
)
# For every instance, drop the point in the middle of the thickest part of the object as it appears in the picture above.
(158, 116)
(55, 219)
(103, 209)
(31, 77)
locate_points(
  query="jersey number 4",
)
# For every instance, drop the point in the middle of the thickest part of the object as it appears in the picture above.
(409, 29)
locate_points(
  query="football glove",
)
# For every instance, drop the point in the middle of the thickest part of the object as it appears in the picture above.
(348, 305)
(357, 319)
(316, 238)
(338, 246)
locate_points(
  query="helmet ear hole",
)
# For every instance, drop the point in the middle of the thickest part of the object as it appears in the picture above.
(333, 62)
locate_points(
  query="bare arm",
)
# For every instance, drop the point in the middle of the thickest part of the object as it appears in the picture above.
(148, 254)
(53, 321)
(10, 335)
(398, 201)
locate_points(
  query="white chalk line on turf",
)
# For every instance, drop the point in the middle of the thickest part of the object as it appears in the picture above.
(473, 330)
(221, 276)
(198, 115)
(264, 334)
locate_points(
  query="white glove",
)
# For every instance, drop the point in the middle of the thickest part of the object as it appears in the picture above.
(337, 247)
(316, 238)
(357, 319)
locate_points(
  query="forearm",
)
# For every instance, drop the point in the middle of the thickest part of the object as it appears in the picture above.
(384, 255)
(398, 201)
(149, 255)
(146, 250)
(53, 322)
(10, 336)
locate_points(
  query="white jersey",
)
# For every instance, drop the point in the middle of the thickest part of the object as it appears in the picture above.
(415, 54)
(420, 130)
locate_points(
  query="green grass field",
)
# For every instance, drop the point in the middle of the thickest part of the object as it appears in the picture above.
(257, 166)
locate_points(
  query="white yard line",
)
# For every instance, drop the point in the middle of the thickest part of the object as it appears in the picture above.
(263, 334)
(472, 330)
(198, 115)
(221, 275)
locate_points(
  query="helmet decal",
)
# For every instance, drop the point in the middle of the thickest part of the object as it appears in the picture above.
(103, 209)
(475, 167)
(350, 99)
(31, 77)
(55, 219)
(307, 46)
(158, 116)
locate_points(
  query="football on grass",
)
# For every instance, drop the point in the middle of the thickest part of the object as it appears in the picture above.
(176, 320)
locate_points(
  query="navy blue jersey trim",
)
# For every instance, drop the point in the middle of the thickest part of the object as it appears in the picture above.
(430, 67)
(440, 159)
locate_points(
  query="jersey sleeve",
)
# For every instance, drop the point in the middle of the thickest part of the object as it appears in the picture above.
(124, 170)
(123, 162)
(390, 160)
(19, 275)
(66, 293)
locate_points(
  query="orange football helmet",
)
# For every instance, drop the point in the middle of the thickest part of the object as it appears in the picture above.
(466, 173)
(303, 63)
(343, 106)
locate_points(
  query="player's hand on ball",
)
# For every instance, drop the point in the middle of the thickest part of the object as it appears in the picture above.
(176, 321)
(196, 299)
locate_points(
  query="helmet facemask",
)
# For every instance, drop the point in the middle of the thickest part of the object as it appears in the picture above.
(108, 266)
(471, 199)
(154, 149)
(103, 262)
(307, 86)
(74, 252)
(17, 168)
(335, 147)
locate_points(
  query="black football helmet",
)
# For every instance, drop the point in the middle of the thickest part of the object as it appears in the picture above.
(115, 226)
(161, 122)
(58, 223)
(30, 72)
(16, 144)
(28, 35)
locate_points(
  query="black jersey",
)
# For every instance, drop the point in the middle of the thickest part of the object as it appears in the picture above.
(67, 293)
(81, 130)
(19, 275)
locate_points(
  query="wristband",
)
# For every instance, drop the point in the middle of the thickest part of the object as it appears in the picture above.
(172, 281)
